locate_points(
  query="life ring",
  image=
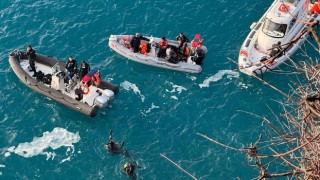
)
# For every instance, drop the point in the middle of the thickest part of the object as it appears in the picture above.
(84, 88)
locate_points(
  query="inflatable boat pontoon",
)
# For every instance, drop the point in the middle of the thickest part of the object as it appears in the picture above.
(81, 96)
(151, 57)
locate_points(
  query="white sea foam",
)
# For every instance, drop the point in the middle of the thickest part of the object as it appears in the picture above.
(2, 165)
(130, 86)
(152, 107)
(230, 74)
(176, 88)
(59, 137)
(174, 97)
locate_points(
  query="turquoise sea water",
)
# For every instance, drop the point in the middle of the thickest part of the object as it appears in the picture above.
(156, 111)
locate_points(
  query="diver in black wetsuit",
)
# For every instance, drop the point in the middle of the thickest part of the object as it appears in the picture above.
(113, 147)
(129, 169)
(32, 58)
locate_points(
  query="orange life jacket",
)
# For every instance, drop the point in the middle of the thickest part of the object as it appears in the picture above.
(143, 48)
(96, 78)
(196, 42)
(315, 8)
(187, 51)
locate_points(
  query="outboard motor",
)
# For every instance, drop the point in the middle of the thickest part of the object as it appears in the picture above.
(108, 93)
(101, 101)
(199, 56)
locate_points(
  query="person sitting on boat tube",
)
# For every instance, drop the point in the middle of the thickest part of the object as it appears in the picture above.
(315, 8)
(32, 58)
(163, 44)
(196, 42)
(181, 38)
(71, 66)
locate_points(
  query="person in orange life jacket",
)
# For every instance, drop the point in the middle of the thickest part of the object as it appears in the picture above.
(182, 39)
(196, 42)
(315, 8)
(96, 78)
(184, 52)
(71, 66)
(163, 44)
(84, 69)
(135, 42)
(32, 57)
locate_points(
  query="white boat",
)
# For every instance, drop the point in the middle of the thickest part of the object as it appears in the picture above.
(283, 22)
(50, 80)
(151, 57)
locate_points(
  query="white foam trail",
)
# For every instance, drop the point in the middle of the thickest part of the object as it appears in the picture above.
(59, 137)
(174, 97)
(2, 166)
(230, 74)
(127, 86)
(176, 88)
(152, 107)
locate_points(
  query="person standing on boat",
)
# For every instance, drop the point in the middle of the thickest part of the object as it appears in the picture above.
(163, 44)
(84, 69)
(181, 38)
(135, 42)
(315, 8)
(32, 58)
(71, 66)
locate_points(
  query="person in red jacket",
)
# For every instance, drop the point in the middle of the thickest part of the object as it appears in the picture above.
(163, 44)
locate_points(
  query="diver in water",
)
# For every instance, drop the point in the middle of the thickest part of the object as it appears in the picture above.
(129, 169)
(112, 146)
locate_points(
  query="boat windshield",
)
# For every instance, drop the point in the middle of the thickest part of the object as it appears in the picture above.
(56, 68)
(273, 29)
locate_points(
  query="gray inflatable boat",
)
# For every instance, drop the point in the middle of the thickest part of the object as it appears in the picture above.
(50, 81)
(191, 65)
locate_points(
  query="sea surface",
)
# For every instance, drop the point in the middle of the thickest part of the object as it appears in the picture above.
(156, 111)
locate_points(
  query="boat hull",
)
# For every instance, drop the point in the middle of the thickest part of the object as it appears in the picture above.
(150, 58)
(39, 87)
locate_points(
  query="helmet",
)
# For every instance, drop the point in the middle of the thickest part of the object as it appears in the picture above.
(126, 165)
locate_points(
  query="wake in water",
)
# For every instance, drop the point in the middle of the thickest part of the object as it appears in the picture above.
(59, 137)
(218, 76)
(130, 86)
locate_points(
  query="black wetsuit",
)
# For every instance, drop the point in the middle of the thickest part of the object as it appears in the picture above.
(135, 42)
(84, 69)
(32, 57)
(182, 40)
(71, 66)
(130, 170)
